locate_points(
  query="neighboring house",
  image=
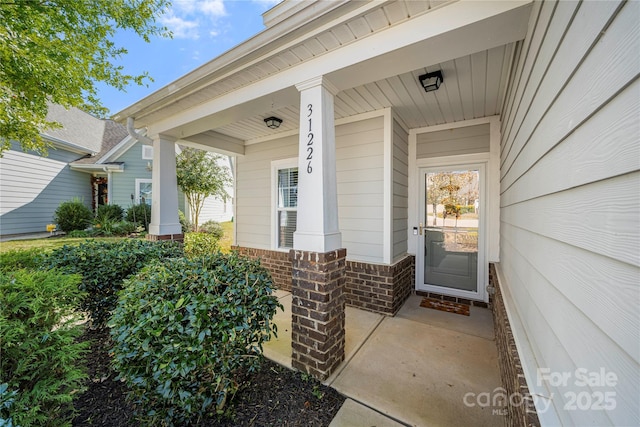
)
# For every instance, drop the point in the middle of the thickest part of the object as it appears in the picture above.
(91, 159)
(32, 186)
(538, 103)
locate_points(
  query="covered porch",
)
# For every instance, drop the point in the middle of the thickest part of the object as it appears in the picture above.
(420, 367)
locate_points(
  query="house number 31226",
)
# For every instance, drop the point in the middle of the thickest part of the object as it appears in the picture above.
(309, 140)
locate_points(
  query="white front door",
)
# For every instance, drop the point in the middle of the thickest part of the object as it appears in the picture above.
(451, 258)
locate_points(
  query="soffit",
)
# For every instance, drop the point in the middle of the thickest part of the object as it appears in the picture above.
(473, 87)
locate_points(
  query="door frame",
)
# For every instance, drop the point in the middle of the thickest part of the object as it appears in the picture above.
(473, 161)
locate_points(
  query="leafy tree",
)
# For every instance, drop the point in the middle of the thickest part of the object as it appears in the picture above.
(199, 176)
(436, 193)
(55, 51)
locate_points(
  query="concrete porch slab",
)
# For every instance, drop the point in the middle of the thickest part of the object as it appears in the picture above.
(354, 414)
(417, 368)
(479, 323)
(279, 349)
(420, 374)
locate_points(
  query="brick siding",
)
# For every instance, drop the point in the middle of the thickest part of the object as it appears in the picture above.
(278, 263)
(379, 288)
(513, 379)
(317, 307)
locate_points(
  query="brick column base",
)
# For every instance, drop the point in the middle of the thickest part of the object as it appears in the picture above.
(317, 337)
(174, 237)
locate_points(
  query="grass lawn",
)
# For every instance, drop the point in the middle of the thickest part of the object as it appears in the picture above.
(50, 243)
(227, 240)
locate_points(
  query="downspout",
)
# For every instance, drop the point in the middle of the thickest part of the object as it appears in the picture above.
(135, 135)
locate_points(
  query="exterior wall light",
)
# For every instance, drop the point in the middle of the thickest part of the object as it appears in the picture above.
(273, 122)
(431, 81)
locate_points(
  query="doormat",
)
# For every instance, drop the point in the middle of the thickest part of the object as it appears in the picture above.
(448, 306)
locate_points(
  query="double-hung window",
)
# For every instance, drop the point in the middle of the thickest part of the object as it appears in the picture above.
(286, 203)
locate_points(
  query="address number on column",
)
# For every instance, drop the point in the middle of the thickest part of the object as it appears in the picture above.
(310, 140)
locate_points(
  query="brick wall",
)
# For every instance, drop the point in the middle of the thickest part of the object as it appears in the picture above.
(317, 311)
(174, 237)
(377, 287)
(373, 287)
(278, 263)
(513, 379)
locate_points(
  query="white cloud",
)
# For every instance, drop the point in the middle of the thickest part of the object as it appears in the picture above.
(213, 8)
(181, 28)
(187, 18)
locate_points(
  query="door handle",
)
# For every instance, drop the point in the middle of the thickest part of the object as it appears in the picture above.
(421, 229)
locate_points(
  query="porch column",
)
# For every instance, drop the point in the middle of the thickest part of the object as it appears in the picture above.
(318, 261)
(317, 223)
(165, 224)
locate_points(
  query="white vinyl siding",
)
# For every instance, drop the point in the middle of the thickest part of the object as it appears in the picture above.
(400, 190)
(254, 192)
(452, 142)
(359, 168)
(28, 200)
(360, 173)
(570, 203)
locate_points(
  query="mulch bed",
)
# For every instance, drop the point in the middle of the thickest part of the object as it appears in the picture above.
(273, 396)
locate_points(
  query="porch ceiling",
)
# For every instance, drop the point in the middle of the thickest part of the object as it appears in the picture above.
(473, 87)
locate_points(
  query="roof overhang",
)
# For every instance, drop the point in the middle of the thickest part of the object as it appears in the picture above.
(98, 168)
(452, 30)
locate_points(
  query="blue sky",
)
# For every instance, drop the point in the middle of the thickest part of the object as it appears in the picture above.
(202, 30)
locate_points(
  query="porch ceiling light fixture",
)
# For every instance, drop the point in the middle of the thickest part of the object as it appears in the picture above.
(431, 81)
(273, 122)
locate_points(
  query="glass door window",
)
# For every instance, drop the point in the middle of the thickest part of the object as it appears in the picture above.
(450, 231)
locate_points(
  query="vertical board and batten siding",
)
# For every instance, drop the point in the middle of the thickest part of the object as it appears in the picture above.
(400, 190)
(359, 168)
(570, 205)
(28, 200)
(453, 142)
(123, 184)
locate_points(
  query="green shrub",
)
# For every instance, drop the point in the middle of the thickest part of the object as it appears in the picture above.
(72, 215)
(19, 259)
(212, 227)
(104, 265)
(140, 214)
(114, 212)
(41, 358)
(78, 234)
(199, 244)
(183, 330)
(185, 224)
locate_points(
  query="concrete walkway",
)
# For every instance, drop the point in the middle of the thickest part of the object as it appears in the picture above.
(422, 367)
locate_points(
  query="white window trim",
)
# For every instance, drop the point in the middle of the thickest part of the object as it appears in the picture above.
(147, 152)
(142, 181)
(276, 165)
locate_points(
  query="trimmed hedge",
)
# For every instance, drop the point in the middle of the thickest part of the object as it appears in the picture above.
(41, 364)
(184, 329)
(200, 244)
(104, 266)
(72, 215)
(18, 259)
